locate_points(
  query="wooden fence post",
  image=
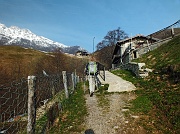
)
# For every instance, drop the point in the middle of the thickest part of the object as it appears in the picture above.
(31, 105)
(72, 75)
(65, 84)
(104, 74)
(75, 78)
(53, 89)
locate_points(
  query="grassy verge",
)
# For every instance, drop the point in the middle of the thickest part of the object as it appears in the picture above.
(103, 101)
(156, 99)
(72, 116)
(141, 104)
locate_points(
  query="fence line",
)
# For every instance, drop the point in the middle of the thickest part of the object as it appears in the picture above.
(23, 103)
(144, 49)
(167, 32)
(164, 35)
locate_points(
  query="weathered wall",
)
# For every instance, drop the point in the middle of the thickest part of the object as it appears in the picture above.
(151, 47)
(137, 68)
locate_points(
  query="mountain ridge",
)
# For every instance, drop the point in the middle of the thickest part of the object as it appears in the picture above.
(14, 35)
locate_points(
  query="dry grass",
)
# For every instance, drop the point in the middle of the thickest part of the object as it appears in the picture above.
(17, 62)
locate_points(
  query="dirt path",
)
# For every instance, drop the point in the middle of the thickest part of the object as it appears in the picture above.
(106, 113)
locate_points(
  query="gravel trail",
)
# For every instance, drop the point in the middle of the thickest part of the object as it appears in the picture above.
(116, 83)
(109, 118)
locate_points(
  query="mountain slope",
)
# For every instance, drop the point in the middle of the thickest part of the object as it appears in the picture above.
(17, 62)
(162, 87)
(25, 38)
(167, 55)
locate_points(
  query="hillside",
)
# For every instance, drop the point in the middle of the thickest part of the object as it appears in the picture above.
(157, 102)
(162, 87)
(165, 59)
(104, 56)
(17, 62)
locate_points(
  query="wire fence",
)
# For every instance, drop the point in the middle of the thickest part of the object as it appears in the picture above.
(13, 105)
(23, 104)
(162, 36)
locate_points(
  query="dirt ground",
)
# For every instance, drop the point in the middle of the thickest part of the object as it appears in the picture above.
(108, 114)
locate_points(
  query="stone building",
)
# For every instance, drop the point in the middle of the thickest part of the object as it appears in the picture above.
(82, 53)
(127, 49)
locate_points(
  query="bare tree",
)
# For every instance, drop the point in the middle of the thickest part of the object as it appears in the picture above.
(111, 38)
(100, 45)
(106, 46)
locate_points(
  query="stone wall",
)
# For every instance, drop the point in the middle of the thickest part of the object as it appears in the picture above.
(138, 69)
(151, 47)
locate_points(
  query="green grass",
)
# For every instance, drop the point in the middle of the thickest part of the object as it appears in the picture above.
(158, 94)
(141, 104)
(41, 123)
(162, 88)
(74, 111)
(103, 89)
(102, 97)
(167, 54)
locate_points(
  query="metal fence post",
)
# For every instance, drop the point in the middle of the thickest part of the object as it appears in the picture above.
(31, 105)
(65, 84)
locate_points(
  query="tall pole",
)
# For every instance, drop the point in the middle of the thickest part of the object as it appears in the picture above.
(93, 44)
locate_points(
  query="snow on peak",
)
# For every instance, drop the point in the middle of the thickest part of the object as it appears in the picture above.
(17, 33)
(2, 26)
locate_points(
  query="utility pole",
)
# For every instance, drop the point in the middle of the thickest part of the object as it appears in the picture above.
(93, 44)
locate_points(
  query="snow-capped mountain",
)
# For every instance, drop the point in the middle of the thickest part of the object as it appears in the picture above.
(24, 37)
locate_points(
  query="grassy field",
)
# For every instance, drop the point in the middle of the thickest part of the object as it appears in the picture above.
(166, 55)
(17, 62)
(158, 94)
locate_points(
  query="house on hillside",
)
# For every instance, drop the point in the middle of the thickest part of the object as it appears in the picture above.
(81, 53)
(127, 49)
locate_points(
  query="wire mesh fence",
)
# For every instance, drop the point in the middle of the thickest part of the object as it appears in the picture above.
(15, 107)
(47, 87)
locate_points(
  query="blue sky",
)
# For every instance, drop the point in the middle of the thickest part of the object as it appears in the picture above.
(77, 22)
